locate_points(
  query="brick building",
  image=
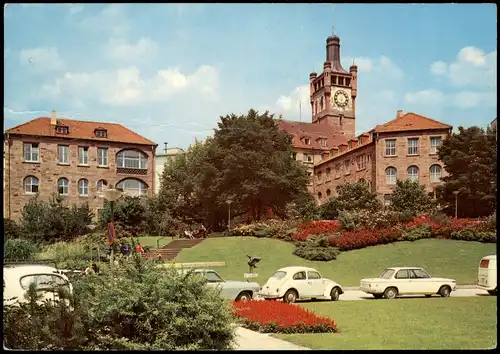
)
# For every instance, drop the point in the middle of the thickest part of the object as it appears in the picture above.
(402, 148)
(75, 159)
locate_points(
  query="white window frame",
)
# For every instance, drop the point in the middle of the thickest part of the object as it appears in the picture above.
(324, 142)
(434, 176)
(83, 155)
(31, 152)
(389, 149)
(141, 191)
(61, 185)
(389, 177)
(139, 162)
(433, 150)
(307, 141)
(103, 182)
(83, 187)
(412, 176)
(347, 166)
(102, 157)
(308, 157)
(412, 147)
(361, 162)
(31, 181)
(63, 154)
(338, 169)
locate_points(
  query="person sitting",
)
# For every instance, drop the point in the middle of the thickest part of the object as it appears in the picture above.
(188, 234)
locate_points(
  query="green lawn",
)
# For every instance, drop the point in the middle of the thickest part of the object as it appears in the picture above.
(444, 258)
(435, 323)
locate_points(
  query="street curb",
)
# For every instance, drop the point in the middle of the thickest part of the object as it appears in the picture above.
(351, 288)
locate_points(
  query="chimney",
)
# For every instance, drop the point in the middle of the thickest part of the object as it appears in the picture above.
(399, 114)
(53, 118)
(165, 147)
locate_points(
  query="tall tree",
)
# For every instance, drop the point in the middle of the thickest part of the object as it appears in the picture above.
(470, 158)
(410, 197)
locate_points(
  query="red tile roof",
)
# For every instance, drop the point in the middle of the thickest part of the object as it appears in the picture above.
(80, 130)
(314, 131)
(410, 121)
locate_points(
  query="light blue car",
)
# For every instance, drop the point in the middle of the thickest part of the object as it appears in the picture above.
(229, 289)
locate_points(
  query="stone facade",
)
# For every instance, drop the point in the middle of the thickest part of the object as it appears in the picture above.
(160, 160)
(48, 170)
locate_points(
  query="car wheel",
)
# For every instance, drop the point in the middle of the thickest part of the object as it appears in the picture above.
(390, 293)
(335, 294)
(445, 291)
(290, 296)
(492, 292)
(378, 296)
(244, 296)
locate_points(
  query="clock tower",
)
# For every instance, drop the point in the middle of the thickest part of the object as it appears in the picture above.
(333, 92)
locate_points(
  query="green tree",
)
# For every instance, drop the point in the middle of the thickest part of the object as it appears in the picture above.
(330, 209)
(356, 196)
(470, 158)
(410, 197)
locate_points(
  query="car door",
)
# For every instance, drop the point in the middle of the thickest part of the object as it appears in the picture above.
(215, 280)
(403, 282)
(422, 282)
(299, 282)
(315, 283)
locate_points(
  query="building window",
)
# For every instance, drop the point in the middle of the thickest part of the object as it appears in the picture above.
(319, 176)
(387, 199)
(328, 172)
(435, 173)
(63, 186)
(413, 146)
(361, 160)
(62, 130)
(83, 187)
(390, 147)
(102, 157)
(308, 158)
(83, 155)
(307, 141)
(31, 185)
(319, 195)
(347, 166)
(337, 170)
(31, 152)
(390, 175)
(101, 133)
(100, 184)
(435, 144)
(413, 173)
(328, 192)
(324, 142)
(63, 154)
(132, 159)
(133, 187)
(294, 155)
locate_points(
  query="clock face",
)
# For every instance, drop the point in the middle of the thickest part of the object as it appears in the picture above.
(341, 98)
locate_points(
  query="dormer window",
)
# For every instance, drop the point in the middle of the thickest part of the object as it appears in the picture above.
(61, 129)
(101, 133)
(323, 142)
(307, 141)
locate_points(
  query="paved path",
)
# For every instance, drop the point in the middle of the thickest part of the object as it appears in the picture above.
(250, 340)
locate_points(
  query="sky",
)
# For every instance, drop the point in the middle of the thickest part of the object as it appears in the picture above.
(169, 71)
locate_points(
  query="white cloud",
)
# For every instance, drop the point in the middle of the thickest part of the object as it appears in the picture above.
(424, 97)
(119, 50)
(42, 59)
(439, 68)
(380, 65)
(111, 19)
(74, 9)
(471, 99)
(126, 86)
(293, 102)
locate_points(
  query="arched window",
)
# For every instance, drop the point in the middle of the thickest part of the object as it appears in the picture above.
(63, 186)
(435, 173)
(100, 184)
(413, 173)
(83, 187)
(133, 187)
(328, 192)
(131, 159)
(31, 185)
(390, 175)
(319, 195)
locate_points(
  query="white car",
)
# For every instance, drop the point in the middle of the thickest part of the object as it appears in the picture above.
(17, 278)
(294, 283)
(407, 281)
(487, 274)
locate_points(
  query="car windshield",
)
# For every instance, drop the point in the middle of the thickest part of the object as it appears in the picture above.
(279, 275)
(387, 274)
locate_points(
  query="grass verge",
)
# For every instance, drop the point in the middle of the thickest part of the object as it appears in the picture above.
(434, 323)
(443, 258)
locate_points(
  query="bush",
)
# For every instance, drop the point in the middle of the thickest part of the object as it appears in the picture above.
(10, 229)
(356, 196)
(19, 250)
(410, 197)
(73, 255)
(350, 240)
(416, 233)
(329, 210)
(137, 307)
(471, 235)
(348, 220)
(318, 249)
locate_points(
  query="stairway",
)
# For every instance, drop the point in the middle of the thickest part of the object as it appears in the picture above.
(171, 250)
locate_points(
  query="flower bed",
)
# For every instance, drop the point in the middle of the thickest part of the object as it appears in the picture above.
(312, 228)
(351, 240)
(280, 317)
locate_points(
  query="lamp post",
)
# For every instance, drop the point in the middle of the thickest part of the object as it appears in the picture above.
(112, 195)
(229, 201)
(456, 204)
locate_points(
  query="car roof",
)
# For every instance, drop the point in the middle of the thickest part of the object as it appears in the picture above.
(296, 269)
(25, 269)
(490, 257)
(399, 268)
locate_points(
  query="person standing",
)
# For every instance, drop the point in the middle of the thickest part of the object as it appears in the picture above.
(139, 248)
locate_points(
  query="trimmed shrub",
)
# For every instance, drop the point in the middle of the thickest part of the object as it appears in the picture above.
(471, 235)
(11, 229)
(318, 249)
(19, 250)
(416, 233)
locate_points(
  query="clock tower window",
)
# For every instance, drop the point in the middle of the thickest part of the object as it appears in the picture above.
(348, 82)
